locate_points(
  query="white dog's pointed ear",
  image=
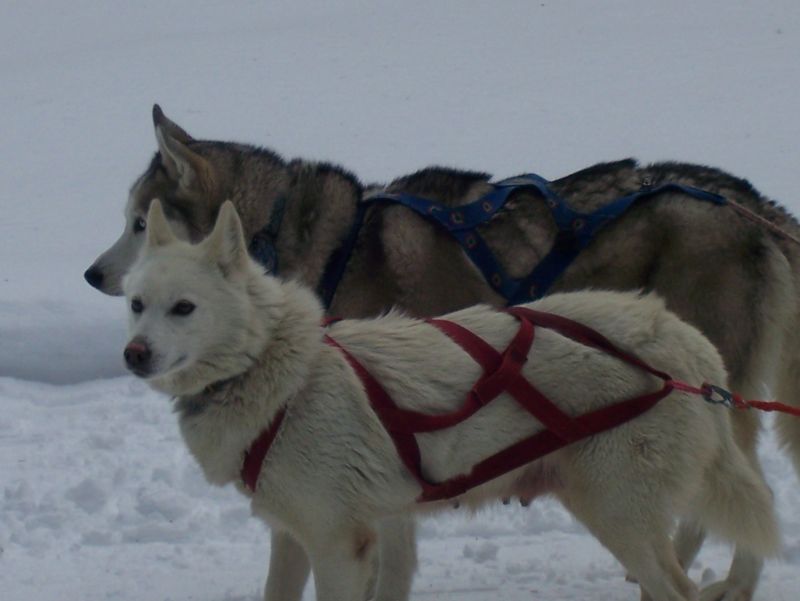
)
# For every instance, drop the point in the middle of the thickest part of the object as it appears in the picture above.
(159, 233)
(192, 172)
(226, 245)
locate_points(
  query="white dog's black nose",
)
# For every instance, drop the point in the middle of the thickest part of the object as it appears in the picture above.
(94, 276)
(137, 356)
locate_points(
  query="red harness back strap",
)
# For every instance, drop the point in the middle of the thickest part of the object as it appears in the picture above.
(501, 373)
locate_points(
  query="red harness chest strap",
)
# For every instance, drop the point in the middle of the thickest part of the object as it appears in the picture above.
(254, 456)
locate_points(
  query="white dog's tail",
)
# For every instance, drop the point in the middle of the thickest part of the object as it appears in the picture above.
(737, 504)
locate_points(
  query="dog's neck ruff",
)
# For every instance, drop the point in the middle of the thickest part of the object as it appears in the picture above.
(575, 231)
(196, 404)
(501, 374)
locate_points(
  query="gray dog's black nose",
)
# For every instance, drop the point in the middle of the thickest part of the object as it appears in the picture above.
(94, 276)
(137, 356)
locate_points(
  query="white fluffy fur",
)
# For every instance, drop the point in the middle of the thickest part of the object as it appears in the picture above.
(333, 480)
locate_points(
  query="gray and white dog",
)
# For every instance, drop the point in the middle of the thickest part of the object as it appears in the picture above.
(732, 278)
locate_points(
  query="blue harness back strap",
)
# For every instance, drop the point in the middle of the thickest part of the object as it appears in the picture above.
(576, 230)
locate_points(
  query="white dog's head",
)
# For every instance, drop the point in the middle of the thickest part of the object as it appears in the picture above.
(198, 313)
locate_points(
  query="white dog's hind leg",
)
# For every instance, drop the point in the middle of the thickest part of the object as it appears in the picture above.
(288, 568)
(688, 540)
(398, 558)
(741, 582)
(650, 557)
(738, 504)
(746, 567)
(637, 535)
(743, 575)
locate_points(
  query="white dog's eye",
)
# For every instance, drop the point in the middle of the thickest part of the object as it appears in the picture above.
(139, 225)
(137, 306)
(182, 307)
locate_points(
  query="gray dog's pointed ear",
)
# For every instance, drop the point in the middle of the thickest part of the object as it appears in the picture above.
(192, 172)
(159, 233)
(226, 245)
(174, 130)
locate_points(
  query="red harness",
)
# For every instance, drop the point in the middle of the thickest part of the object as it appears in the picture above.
(501, 373)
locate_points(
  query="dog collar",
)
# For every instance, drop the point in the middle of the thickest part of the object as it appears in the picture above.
(254, 456)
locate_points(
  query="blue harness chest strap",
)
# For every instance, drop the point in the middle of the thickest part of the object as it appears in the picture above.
(262, 245)
(460, 222)
(575, 231)
(334, 270)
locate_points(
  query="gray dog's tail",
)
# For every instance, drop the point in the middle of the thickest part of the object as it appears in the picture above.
(788, 427)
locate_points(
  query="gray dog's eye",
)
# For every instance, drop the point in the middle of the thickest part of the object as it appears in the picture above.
(182, 308)
(137, 306)
(139, 225)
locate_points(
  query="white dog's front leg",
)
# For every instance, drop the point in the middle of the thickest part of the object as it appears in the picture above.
(288, 568)
(398, 558)
(342, 564)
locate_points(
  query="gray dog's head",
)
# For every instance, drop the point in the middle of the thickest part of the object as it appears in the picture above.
(183, 178)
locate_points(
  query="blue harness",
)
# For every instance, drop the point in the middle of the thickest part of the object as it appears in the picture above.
(576, 230)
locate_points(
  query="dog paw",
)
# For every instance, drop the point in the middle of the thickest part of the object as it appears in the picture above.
(726, 591)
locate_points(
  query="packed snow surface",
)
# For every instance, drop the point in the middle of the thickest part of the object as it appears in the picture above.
(99, 500)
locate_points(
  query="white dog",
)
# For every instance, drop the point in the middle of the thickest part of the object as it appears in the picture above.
(244, 353)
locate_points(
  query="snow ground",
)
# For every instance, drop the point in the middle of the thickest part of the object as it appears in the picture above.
(101, 502)
(98, 499)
